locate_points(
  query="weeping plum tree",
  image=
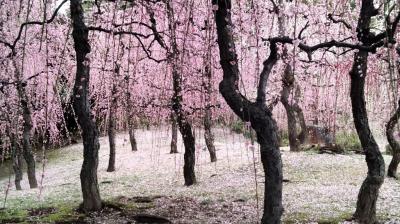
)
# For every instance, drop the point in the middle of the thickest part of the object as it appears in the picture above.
(177, 98)
(292, 107)
(257, 113)
(293, 110)
(207, 84)
(89, 184)
(368, 195)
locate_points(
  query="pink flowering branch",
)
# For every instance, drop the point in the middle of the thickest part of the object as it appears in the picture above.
(23, 25)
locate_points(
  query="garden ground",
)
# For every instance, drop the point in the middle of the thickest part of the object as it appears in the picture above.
(318, 188)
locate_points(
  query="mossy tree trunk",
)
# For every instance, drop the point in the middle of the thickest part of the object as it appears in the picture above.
(81, 104)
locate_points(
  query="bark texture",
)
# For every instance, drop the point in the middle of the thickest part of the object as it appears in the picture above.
(174, 135)
(129, 116)
(208, 134)
(184, 126)
(287, 87)
(292, 108)
(257, 113)
(27, 129)
(368, 194)
(111, 130)
(394, 144)
(81, 104)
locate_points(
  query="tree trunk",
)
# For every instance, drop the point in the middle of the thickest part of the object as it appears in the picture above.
(394, 163)
(287, 84)
(303, 135)
(27, 128)
(174, 138)
(81, 104)
(183, 123)
(111, 130)
(208, 135)
(130, 120)
(132, 137)
(257, 113)
(368, 195)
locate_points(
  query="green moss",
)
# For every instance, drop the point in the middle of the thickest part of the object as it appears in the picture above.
(349, 141)
(13, 215)
(63, 213)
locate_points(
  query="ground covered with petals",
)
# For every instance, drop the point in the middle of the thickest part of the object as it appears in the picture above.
(318, 188)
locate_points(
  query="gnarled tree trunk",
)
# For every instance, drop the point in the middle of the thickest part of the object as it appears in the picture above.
(368, 195)
(81, 104)
(288, 84)
(257, 113)
(27, 128)
(394, 163)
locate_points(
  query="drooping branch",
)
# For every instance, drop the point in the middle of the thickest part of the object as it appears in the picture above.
(346, 24)
(23, 25)
(138, 37)
(333, 43)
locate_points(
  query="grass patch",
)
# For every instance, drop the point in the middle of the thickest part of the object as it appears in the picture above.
(60, 213)
(302, 217)
(349, 141)
(13, 215)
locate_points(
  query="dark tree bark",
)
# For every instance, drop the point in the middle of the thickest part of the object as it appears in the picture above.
(368, 195)
(292, 108)
(183, 123)
(394, 144)
(90, 136)
(27, 128)
(303, 135)
(208, 134)
(129, 116)
(257, 113)
(174, 135)
(111, 129)
(287, 88)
